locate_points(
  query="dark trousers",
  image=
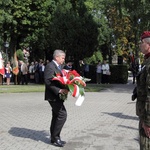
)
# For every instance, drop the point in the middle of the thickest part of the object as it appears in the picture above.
(59, 116)
(41, 77)
(105, 78)
(98, 78)
(36, 77)
(24, 79)
(134, 77)
(17, 79)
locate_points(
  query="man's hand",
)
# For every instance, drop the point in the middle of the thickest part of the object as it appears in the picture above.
(63, 91)
(146, 129)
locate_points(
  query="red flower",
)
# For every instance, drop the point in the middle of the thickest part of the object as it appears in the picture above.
(73, 80)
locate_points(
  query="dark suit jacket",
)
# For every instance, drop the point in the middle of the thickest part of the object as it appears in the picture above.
(52, 87)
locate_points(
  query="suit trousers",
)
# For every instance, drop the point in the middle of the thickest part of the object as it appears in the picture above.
(59, 116)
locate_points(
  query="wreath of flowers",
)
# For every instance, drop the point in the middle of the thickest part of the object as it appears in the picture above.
(74, 82)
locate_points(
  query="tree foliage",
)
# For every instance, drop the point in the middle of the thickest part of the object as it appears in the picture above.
(22, 21)
(80, 27)
(73, 29)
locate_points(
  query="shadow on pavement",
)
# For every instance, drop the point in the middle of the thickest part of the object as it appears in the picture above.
(120, 115)
(120, 88)
(31, 134)
(128, 127)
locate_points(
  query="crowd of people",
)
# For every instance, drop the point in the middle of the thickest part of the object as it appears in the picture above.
(102, 70)
(34, 72)
(28, 73)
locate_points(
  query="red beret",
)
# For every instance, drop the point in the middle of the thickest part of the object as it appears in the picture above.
(145, 34)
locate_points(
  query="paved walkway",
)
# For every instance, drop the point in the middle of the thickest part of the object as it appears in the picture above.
(105, 121)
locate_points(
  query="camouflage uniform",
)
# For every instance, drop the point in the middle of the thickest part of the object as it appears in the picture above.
(143, 102)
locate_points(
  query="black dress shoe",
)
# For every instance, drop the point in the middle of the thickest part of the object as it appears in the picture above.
(57, 142)
(63, 142)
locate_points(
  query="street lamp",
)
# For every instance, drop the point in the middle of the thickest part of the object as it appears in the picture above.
(6, 45)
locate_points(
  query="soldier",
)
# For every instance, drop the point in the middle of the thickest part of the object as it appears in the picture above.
(143, 93)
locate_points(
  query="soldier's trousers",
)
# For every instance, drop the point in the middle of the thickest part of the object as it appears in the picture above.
(144, 141)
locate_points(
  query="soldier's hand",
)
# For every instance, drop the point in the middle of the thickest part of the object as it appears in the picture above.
(146, 129)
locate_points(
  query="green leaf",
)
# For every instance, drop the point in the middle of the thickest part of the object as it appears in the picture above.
(71, 88)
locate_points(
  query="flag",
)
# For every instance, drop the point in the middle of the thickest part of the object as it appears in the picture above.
(15, 65)
(2, 69)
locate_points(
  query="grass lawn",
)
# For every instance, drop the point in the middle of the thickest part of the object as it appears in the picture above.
(96, 87)
(40, 88)
(21, 88)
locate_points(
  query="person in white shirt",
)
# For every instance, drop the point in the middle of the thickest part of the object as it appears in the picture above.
(31, 68)
(31, 72)
(106, 72)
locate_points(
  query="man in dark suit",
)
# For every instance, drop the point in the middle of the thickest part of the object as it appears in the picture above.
(52, 91)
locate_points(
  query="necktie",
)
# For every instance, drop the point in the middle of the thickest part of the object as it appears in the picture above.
(59, 67)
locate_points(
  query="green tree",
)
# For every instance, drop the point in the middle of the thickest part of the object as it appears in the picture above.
(73, 29)
(97, 9)
(127, 19)
(138, 12)
(21, 21)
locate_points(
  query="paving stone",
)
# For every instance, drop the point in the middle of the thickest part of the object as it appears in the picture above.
(106, 120)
